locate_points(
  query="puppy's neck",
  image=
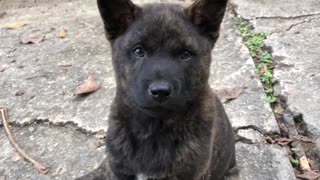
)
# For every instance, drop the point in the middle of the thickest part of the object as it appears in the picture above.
(143, 125)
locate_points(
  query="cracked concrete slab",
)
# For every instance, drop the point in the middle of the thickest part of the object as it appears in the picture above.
(252, 9)
(281, 25)
(48, 73)
(64, 149)
(297, 69)
(233, 67)
(254, 136)
(294, 39)
(260, 161)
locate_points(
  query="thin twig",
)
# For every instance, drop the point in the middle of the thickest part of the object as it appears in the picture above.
(254, 127)
(4, 116)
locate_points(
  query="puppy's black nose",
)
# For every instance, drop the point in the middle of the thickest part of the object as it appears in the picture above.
(160, 91)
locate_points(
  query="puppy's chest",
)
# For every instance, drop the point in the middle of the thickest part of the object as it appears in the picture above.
(141, 177)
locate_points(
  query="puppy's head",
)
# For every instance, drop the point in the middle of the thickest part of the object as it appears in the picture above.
(161, 52)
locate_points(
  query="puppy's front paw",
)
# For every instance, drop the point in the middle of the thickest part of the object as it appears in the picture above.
(233, 174)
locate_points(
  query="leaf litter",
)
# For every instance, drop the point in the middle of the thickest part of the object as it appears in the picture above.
(34, 39)
(62, 33)
(89, 86)
(228, 94)
(15, 25)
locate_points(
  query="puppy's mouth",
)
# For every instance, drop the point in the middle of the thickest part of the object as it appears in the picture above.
(156, 110)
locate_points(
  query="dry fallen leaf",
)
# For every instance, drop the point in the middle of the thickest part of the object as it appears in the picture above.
(304, 163)
(88, 87)
(32, 39)
(61, 33)
(15, 25)
(269, 140)
(303, 139)
(283, 141)
(228, 94)
(309, 175)
(264, 69)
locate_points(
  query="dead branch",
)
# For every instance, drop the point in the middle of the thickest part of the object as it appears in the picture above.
(4, 116)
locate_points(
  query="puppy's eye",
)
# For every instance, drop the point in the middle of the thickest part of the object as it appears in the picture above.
(138, 51)
(186, 55)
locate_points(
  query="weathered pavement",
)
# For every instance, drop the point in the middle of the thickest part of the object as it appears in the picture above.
(64, 131)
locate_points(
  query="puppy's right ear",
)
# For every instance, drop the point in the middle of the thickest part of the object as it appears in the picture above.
(117, 15)
(207, 15)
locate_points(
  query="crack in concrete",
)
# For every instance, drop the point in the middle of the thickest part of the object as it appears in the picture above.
(289, 18)
(233, 8)
(244, 140)
(299, 23)
(68, 124)
(257, 129)
(290, 130)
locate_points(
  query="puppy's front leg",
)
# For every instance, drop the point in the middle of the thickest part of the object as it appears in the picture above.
(101, 173)
(233, 174)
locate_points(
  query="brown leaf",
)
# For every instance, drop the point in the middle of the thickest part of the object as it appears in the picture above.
(228, 94)
(302, 139)
(280, 108)
(15, 25)
(61, 33)
(309, 175)
(304, 163)
(32, 39)
(88, 87)
(264, 69)
(269, 140)
(283, 141)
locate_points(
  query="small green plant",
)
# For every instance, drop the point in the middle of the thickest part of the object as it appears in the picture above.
(294, 162)
(267, 77)
(255, 43)
(271, 99)
(295, 149)
(269, 90)
(266, 58)
(271, 96)
(244, 28)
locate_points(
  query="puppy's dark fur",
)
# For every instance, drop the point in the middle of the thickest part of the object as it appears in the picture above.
(187, 134)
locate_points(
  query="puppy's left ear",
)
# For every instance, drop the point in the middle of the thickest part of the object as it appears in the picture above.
(207, 15)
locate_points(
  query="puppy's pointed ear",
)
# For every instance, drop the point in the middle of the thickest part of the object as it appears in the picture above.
(207, 15)
(117, 16)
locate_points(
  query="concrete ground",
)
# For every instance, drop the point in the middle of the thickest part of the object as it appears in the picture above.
(65, 132)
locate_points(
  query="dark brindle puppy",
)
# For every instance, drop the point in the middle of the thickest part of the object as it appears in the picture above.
(165, 123)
